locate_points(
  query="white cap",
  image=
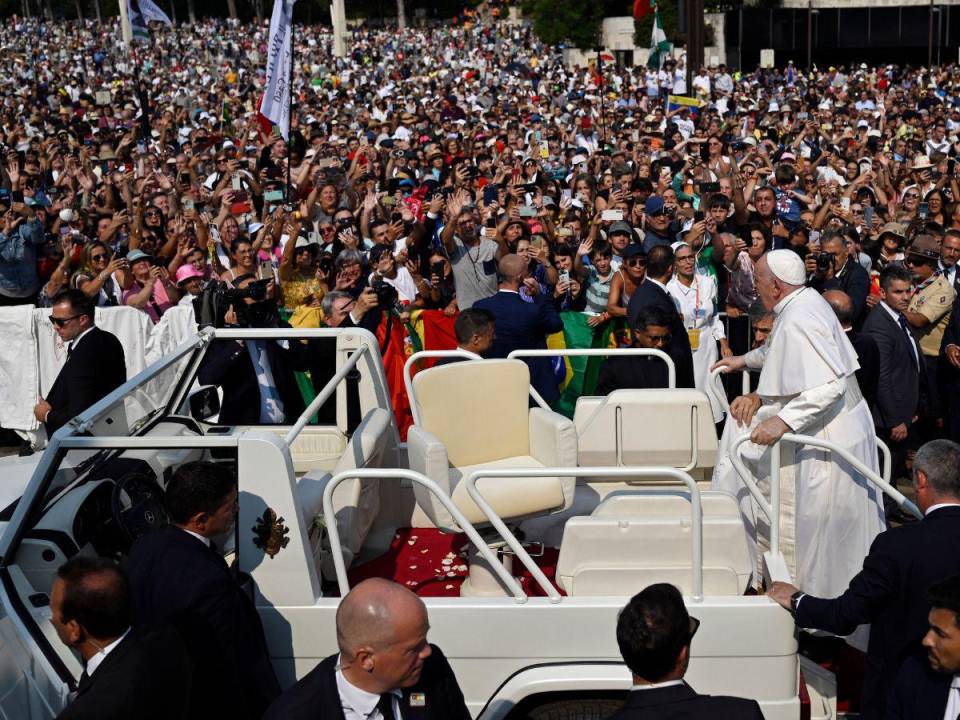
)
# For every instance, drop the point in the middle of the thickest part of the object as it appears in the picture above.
(787, 265)
(66, 215)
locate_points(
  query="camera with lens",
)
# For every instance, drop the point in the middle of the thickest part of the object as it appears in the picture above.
(386, 293)
(824, 261)
(211, 306)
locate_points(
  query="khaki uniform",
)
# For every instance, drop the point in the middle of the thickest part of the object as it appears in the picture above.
(934, 303)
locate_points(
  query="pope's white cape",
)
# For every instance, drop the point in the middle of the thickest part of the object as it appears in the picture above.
(276, 95)
(830, 514)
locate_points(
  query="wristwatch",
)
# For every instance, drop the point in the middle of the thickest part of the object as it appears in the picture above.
(794, 600)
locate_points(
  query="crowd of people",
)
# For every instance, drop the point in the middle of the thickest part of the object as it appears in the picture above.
(469, 172)
(415, 168)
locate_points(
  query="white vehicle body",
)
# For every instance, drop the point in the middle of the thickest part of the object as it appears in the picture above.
(510, 652)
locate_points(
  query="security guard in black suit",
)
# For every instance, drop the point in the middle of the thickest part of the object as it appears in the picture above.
(890, 592)
(385, 670)
(95, 363)
(127, 673)
(929, 687)
(178, 576)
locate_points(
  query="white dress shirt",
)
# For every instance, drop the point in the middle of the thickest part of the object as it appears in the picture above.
(952, 711)
(95, 662)
(657, 686)
(201, 538)
(76, 341)
(359, 704)
(950, 273)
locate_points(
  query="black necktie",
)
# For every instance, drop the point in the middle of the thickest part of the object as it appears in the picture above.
(913, 353)
(84, 681)
(385, 706)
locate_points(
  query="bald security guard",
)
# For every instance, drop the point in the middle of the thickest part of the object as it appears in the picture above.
(385, 670)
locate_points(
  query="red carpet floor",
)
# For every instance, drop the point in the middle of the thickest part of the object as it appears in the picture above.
(434, 564)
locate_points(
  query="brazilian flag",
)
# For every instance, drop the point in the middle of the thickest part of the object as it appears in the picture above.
(578, 375)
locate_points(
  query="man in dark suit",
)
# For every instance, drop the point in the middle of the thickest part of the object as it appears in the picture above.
(178, 576)
(890, 592)
(930, 687)
(257, 376)
(651, 331)
(950, 373)
(868, 354)
(901, 365)
(653, 291)
(386, 669)
(95, 364)
(522, 325)
(126, 674)
(654, 633)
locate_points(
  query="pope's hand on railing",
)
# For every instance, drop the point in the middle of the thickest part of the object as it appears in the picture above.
(769, 431)
(730, 364)
(745, 407)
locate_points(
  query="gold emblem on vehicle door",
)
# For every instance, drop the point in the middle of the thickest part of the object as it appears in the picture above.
(270, 534)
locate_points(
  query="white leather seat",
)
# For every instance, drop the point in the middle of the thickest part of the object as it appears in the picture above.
(634, 539)
(647, 427)
(475, 415)
(356, 501)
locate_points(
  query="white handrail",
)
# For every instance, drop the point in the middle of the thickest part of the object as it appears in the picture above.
(602, 352)
(880, 482)
(887, 460)
(772, 508)
(323, 395)
(399, 474)
(416, 357)
(721, 398)
(594, 472)
(725, 406)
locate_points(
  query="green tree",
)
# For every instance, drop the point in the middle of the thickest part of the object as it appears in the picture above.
(574, 22)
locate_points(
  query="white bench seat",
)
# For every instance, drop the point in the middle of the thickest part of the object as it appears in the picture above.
(635, 539)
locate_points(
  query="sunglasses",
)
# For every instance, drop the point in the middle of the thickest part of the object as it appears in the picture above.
(636, 261)
(694, 626)
(60, 322)
(914, 261)
(98, 258)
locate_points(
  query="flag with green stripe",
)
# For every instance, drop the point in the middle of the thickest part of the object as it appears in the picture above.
(659, 45)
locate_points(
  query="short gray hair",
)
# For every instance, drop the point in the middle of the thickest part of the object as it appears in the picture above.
(939, 460)
(346, 257)
(326, 305)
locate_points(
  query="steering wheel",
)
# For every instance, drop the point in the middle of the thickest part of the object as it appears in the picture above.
(136, 505)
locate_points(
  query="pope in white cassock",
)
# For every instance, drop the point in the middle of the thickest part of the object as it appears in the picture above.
(830, 513)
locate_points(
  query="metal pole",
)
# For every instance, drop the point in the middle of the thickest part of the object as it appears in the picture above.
(288, 194)
(338, 17)
(930, 35)
(939, 32)
(809, 36)
(126, 30)
(692, 22)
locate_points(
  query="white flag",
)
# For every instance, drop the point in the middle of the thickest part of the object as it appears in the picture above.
(141, 12)
(275, 105)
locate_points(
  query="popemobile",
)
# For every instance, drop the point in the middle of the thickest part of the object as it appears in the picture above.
(524, 531)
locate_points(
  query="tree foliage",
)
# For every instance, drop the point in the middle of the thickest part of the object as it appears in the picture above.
(573, 22)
